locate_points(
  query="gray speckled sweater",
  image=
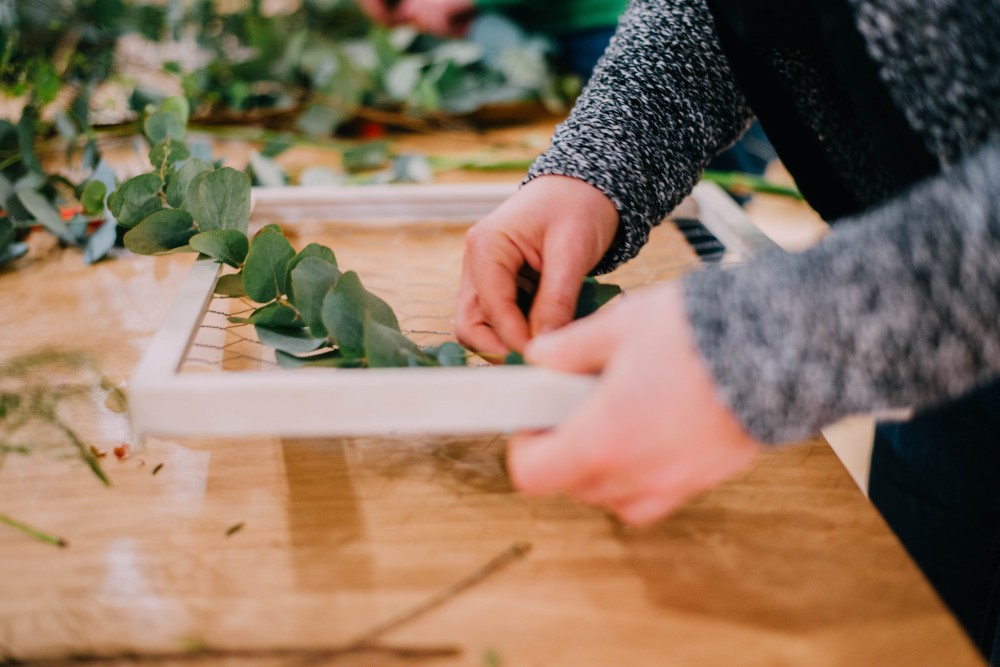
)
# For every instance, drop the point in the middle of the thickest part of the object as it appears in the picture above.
(900, 305)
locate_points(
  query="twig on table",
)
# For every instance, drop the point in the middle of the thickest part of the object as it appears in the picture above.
(512, 553)
(33, 532)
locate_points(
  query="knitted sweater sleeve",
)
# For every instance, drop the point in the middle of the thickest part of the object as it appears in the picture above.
(898, 307)
(661, 102)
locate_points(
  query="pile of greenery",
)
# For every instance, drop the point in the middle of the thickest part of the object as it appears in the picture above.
(310, 69)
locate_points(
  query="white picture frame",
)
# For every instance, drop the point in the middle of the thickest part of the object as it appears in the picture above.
(311, 402)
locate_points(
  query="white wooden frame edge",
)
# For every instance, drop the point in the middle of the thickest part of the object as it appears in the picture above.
(317, 402)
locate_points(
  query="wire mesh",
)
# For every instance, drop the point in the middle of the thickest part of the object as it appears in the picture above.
(416, 268)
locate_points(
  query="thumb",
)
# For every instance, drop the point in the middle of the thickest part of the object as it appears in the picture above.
(585, 346)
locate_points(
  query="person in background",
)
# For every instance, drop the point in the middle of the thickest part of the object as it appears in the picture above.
(580, 28)
(887, 113)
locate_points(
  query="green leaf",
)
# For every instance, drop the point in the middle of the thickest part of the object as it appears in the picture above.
(167, 153)
(179, 106)
(225, 245)
(161, 232)
(163, 124)
(313, 250)
(274, 314)
(387, 348)
(8, 232)
(178, 188)
(332, 359)
(381, 312)
(101, 242)
(136, 199)
(220, 200)
(46, 214)
(266, 171)
(230, 285)
(93, 197)
(320, 121)
(448, 354)
(367, 156)
(12, 252)
(514, 358)
(277, 146)
(266, 266)
(289, 339)
(345, 309)
(593, 295)
(311, 279)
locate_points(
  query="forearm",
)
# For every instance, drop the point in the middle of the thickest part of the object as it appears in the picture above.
(661, 103)
(897, 307)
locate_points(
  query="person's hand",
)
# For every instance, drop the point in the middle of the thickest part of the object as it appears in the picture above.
(378, 10)
(445, 18)
(653, 434)
(560, 227)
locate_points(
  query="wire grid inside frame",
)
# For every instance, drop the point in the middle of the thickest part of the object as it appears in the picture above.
(416, 268)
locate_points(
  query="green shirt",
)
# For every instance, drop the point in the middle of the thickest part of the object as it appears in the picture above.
(558, 17)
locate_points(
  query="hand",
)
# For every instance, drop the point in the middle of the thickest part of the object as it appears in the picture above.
(654, 434)
(378, 10)
(558, 226)
(445, 18)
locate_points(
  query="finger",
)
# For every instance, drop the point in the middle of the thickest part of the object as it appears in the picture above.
(646, 510)
(563, 270)
(566, 457)
(581, 347)
(493, 271)
(479, 337)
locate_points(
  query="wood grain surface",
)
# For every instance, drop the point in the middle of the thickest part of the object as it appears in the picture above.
(785, 565)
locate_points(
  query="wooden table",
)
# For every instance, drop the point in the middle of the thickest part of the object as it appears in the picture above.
(785, 565)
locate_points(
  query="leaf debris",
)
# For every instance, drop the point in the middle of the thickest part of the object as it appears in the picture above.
(235, 528)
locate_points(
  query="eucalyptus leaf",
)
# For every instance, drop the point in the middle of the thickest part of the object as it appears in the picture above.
(274, 314)
(289, 339)
(46, 214)
(321, 176)
(136, 199)
(311, 279)
(12, 252)
(385, 347)
(320, 121)
(230, 284)
(382, 312)
(93, 197)
(101, 242)
(344, 312)
(366, 156)
(514, 358)
(312, 250)
(160, 232)
(333, 359)
(448, 354)
(266, 171)
(593, 295)
(228, 246)
(220, 200)
(266, 266)
(167, 153)
(179, 106)
(162, 124)
(178, 187)
(8, 232)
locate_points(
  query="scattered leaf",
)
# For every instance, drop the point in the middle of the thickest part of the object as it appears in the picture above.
(266, 171)
(46, 214)
(102, 241)
(123, 451)
(235, 528)
(158, 468)
(99, 453)
(366, 156)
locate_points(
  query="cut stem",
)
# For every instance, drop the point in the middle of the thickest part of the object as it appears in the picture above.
(33, 532)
